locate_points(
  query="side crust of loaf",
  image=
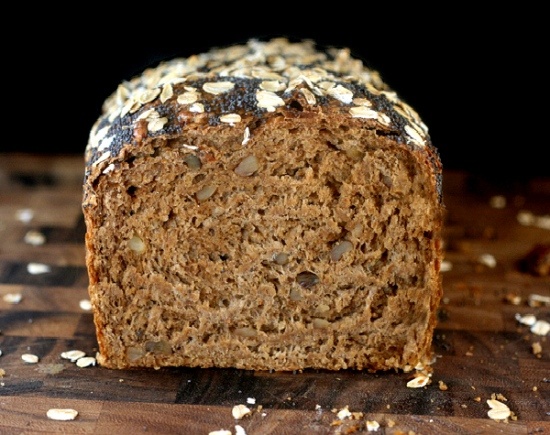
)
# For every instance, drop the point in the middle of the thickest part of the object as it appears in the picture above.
(268, 207)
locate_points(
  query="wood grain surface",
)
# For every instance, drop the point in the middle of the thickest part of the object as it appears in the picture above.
(482, 350)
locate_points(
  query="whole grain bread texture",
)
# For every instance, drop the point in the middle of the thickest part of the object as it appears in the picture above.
(264, 206)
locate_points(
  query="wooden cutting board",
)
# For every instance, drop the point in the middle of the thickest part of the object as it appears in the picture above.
(482, 350)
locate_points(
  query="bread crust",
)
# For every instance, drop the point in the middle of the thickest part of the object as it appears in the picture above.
(195, 161)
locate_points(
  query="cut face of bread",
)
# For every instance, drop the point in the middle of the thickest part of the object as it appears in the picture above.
(278, 223)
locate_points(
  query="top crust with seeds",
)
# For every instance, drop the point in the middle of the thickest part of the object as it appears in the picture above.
(242, 84)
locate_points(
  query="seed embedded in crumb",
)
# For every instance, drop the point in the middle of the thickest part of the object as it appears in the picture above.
(136, 244)
(248, 166)
(280, 258)
(320, 323)
(245, 332)
(355, 154)
(205, 193)
(192, 161)
(295, 294)
(340, 249)
(307, 279)
(321, 310)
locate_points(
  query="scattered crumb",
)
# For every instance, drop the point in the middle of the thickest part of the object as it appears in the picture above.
(372, 425)
(538, 327)
(37, 268)
(85, 305)
(356, 415)
(12, 298)
(497, 201)
(86, 361)
(527, 319)
(62, 414)
(499, 396)
(499, 410)
(24, 215)
(512, 299)
(536, 348)
(541, 327)
(2, 373)
(34, 237)
(240, 411)
(73, 355)
(239, 430)
(443, 386)
(477, 399)
(343, 413)
(446, 266)
(30, 358)
(488, 260)
(420, 380)
(535, 300)
(525, 217)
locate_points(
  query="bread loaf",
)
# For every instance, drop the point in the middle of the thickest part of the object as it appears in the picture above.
(264, 206)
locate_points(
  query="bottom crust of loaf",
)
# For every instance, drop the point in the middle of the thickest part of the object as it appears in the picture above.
(319, 252)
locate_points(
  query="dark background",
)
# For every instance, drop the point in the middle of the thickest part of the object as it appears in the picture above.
(477, 78)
